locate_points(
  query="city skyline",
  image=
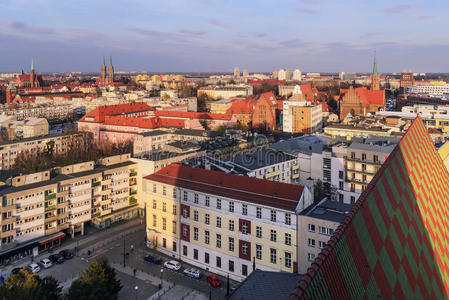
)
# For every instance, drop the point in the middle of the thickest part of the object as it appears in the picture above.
(208, 35)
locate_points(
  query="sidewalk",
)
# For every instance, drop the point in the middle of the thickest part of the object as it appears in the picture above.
(85, 243)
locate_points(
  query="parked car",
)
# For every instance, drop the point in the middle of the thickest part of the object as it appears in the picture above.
(34, 268)
(191, 272)
(172, 265)
(152, 259)
(45, 263)
(213, 280)
(67, 254)
(56, 258)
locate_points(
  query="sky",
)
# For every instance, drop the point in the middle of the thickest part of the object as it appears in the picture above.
(216, 36)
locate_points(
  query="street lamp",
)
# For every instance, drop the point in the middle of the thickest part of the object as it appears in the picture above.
(162, 272)
(124, 251)
(136, 288)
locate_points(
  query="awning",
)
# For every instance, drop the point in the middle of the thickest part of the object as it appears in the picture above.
(52, 238)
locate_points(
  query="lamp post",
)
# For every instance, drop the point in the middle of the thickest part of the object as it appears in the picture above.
(162, 272)
(124, 251)
(136, 288)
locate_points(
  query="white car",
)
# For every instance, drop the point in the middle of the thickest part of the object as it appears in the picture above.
(191, 272)
(46, 263)
(34, 268)
(172, 265)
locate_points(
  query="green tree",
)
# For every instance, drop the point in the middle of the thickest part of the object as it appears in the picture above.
(29, 286)
(98, 282)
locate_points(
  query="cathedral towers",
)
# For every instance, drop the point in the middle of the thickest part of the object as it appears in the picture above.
(106, 77)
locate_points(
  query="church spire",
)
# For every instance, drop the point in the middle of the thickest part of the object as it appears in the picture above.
(104, 64)
(375, 65)
(110, 60)
(32, 64)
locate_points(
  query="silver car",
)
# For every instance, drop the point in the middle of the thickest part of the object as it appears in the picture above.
(191, 272)
(172, 265)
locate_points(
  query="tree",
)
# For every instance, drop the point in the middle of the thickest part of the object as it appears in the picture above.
(98, 282)
(29, 286)
(324, 190)
(202, 102)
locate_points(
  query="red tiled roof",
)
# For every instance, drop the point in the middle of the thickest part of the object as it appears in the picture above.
(258, 191)
(241, 107)
(271, 98)
(192, 115)
(367, 96)
(167, 122)
(149, 123)
(108, 110)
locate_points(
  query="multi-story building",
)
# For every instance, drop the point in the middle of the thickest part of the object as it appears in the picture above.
(64, 199)
(317, 224)
(237, 72)
(297, 75)
(27, 128)
(9, 150)
(224, 223)
(245, 73)
(435, 89)
(226, 92)
(301, 116)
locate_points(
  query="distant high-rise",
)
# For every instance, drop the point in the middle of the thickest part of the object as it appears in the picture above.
(275, 74)
(245, 73)
(236, 72)
(288, 74)
(375, 79)
(282, 74)
(297, 75)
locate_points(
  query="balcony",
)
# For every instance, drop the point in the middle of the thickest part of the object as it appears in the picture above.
(357, 180)
(359, 160)
(105, 212)
(132, 182)
(63, 216)
(348, 169)
(50, 219)
(50, 207)
(132, 192)
(50, 196)
(133, 174)
(132, 201)
(97, 183)
(51, 230)
(105, 202)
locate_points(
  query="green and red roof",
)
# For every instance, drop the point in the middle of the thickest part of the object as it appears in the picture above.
(394, 243)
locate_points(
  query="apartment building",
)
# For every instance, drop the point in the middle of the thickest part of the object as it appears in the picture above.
(61, 144)
(146, 142)
(27, 128)
(226, 92)
(302, 117)
(266, 164)
(317, 224)
(62, 200)
(224, 223)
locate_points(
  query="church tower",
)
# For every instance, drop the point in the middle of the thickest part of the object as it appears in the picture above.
(11, 92)
(32, 75)
(103, 73)
(110, 71)
(375, 79)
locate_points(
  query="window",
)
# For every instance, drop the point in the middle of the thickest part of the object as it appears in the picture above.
(218, 262)
(340, 185)
(259, 251)
(231, 206)
(245, 228)
(273, 216)
(363, 156)
(185, 212)
(231, 266)
(375, 158)
(244, 270)
(288, 219)
(206, 237)
(231, 225)
(207, 219)
(164, 243)
(195, 233)
(195, 254)
(206, 258)
(174, 226)
(184, 250)
(258, 231)
(352, 155)
(195, 215)
(322, 230)
(259, 212)
(154, 221)
(207, 201)
(219, 222)
(174, 209)
(185, 196)
(185, 231)
(310, 256)
(231, 244)
(352, 187)
(244, 209)
(164, 190)
(164, 224)
(154, 188)
(164, 207)
(288, 239)
(322, 244)
(273, 235)
(288, 260)
(340, 174)
(341, 198)
(174, 246)
(218, 204)
(174, 193)
(154, 204)
(273, 255)
(245, 249)
(352, 199)
(195, 199)
(312, 243)
(218, 240)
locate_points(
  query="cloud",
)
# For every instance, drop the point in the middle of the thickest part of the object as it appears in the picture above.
(305, 10)
(293, 43)
(21, 27)
(192, 31)
(426, 17)
(262, 34)
(216, 22)
(315, 2)
(399, 8)
(370, 35)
